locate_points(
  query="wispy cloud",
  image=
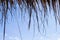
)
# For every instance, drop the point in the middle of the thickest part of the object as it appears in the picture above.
(58, 38)
(14, 38)
(8, 37)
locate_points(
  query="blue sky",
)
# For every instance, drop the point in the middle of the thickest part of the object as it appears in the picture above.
(12, 32)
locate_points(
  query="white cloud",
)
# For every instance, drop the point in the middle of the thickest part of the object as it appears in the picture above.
(14, 38)
(58, 39)
(17, 38)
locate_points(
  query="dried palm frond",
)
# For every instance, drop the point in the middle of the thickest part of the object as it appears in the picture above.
(54, 8)
(30, 14)
(43, 2)
(48, 2)
(59, 2)
(54, 5)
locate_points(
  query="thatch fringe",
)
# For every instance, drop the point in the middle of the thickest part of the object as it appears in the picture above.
(30, 5)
